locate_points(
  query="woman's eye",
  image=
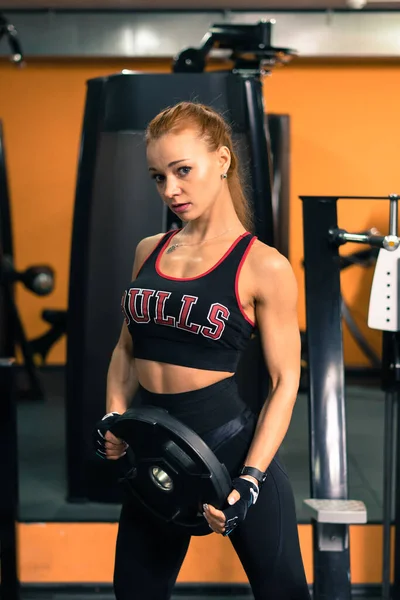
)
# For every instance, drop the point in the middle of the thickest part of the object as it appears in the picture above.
(158, 178)
(184, 170)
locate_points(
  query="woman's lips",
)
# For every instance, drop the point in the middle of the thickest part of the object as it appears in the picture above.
(178, 208)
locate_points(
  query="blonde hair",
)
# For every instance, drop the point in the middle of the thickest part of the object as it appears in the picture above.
(216, 132)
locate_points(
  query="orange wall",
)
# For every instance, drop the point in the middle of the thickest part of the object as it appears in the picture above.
(60, 553)
(344, 141)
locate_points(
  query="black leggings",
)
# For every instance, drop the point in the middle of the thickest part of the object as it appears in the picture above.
(149, 554)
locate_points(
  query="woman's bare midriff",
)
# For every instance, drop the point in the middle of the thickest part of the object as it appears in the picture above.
(162, 378)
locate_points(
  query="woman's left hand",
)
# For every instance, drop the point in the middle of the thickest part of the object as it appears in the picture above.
(216, 519)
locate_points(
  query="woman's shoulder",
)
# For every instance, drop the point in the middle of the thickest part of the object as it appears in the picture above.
(147, 244)
(143, 250)
(266, 261)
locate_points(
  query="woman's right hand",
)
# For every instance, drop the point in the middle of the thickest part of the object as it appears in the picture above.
(114, 447)
(106, 445)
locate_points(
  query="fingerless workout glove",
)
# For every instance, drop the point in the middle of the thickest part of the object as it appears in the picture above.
(237, 513)
(99, 432)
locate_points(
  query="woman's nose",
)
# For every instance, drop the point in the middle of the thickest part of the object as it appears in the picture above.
(171, 188)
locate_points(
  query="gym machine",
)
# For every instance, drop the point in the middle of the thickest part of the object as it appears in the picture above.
(9, 582)
(330, 508)
(116, 205)
(362, 258)
(9, 586)
(384, 315)
(38, 279)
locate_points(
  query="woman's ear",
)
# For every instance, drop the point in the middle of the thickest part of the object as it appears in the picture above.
(224, 158)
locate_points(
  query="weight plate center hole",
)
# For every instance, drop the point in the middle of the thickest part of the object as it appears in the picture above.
(161, 479)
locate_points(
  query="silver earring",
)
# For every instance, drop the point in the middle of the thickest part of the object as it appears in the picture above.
(224, 176)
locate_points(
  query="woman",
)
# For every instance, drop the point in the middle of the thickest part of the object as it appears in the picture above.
(196, 296)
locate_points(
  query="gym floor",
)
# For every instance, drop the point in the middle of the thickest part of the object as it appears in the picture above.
(42, 474)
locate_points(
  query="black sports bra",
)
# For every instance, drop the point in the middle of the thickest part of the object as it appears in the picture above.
(194, 322)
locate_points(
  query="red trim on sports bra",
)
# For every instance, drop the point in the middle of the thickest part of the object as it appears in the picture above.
(237, 282)
(160, 241)
(201, 274)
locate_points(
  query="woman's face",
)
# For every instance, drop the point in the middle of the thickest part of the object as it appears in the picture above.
(187, 174)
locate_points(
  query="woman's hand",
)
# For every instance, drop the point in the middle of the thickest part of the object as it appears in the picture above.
(215, 518)
(114, 447)
(244, 494)
(106, 445)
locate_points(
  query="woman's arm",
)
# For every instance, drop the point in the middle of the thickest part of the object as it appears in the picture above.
(276, 313)
(122, 381)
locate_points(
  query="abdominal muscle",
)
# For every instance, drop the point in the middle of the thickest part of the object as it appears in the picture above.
(162, 378)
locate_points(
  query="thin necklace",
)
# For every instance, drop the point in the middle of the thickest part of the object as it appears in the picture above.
(177, 245)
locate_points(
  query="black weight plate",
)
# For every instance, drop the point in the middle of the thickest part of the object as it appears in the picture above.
(172, 470)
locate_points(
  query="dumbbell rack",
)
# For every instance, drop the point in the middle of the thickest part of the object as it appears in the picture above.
(330, 508)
